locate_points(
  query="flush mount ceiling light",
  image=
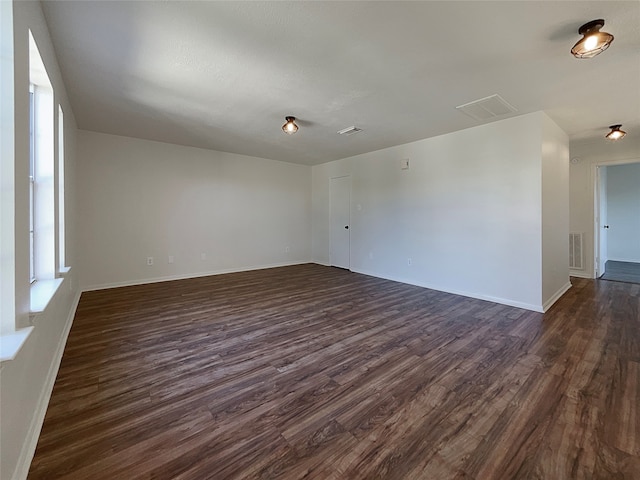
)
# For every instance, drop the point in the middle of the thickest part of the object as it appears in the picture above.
(290, 127)
(615, 133)
(349, 130)
(593, 41)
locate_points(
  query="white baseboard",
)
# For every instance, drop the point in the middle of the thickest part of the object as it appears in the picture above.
(580, 274)
(488, 298)
(31, 442)
(130, 283)
(556, 296)
(626, 260)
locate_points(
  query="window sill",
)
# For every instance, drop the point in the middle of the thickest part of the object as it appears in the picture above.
(42, 291)
(11, 343)
(64, 271)
(41, 294)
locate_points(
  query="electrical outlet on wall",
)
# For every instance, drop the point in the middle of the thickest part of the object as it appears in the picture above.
(287, 249)
(409, 261)
(171, 259)
(149, 261)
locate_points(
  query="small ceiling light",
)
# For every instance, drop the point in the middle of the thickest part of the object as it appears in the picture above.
(290, 127)
(349, 130)
(593, 41)
(615, 133)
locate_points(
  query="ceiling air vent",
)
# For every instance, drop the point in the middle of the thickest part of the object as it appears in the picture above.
(349, 130)
(487, 108)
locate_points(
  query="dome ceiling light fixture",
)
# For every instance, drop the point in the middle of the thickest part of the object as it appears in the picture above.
(615, 133)
(290, 127)
(593, 41)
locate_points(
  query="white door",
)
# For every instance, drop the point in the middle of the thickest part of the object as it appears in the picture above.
(340, 206)
(601, 220)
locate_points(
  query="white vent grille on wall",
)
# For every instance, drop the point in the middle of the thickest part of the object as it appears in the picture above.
(575, 251)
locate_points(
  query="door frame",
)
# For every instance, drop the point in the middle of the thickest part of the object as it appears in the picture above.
(599, 259)
(595, 177)
(330, 223)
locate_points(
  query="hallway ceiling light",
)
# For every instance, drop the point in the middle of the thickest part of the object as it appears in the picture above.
(290, 127)
(593, 41)
(615, 133)
(349, 130)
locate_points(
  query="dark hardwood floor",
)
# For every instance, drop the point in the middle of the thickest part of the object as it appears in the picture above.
(318, 373)
(622, 271)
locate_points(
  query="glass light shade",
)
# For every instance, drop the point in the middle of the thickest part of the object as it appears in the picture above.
(290, 127)
(593, 42)
(615, 133)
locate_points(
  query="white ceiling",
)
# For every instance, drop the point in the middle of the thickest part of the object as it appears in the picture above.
(223, 75)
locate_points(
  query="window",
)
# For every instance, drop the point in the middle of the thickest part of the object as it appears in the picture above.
(32, 182)
(41, 172)
(62, 265)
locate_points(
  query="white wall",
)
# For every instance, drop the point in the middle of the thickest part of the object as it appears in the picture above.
(585, 156)
(26, 381)
(555, 211)
(623, 210)
(468, 212)
(140, 199)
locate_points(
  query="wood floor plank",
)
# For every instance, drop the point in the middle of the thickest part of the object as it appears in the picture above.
(319, 373)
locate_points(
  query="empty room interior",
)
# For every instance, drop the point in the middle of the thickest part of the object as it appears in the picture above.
(322, 240)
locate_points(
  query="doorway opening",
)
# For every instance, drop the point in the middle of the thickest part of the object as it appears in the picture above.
(340, 222)
(617, 221)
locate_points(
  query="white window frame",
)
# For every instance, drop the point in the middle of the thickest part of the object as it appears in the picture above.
(45, 269)
(32, 182)
(62, 249)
